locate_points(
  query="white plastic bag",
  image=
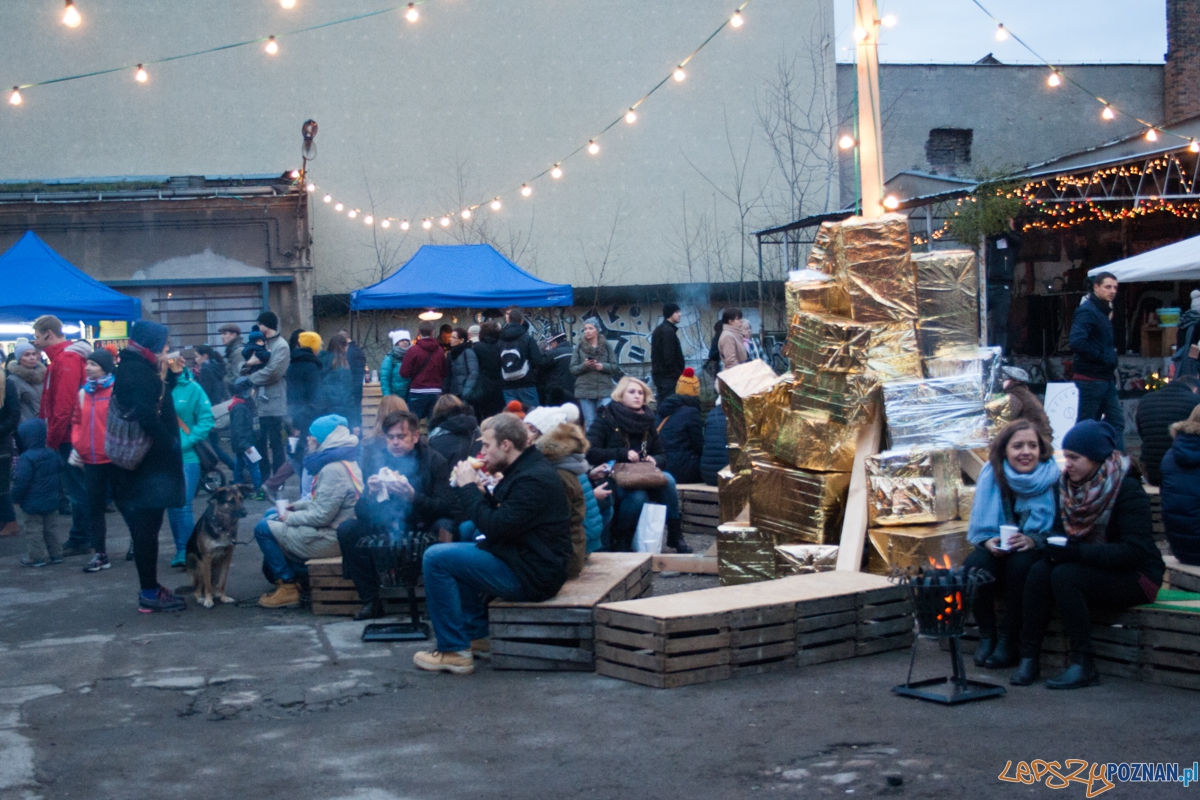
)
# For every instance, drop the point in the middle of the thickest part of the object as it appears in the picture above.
(650, 528)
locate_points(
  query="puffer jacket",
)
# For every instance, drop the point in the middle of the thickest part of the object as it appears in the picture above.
(1156, 413)
(464, 371)
(157, 482)
(1091, 342)
(90, 424)
(564, 447)
(681, 431)
(310, 530)
(593, 384)
(338, 393)
(489, 394)
(304, 389)
(29, 384)
(194, 413)
(731, 346)
(390, 380)
(456, 436)
(715, 456)
(1181, 493)
(67, 373)
(271, 380)
(35, 480)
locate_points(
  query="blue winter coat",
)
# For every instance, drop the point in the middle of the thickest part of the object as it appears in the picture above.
(35, 480)
(682, 437)
(593, 521)
(1180, 493)
(1092, 341)
(715, 456)
(390, 381)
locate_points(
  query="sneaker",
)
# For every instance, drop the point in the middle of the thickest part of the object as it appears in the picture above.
(435, 661)
(98, 562)
(56, 559)
(129, 552)
(180, 560)
(286, 595)
(75, 550)
(481, 648)
(259, 494)
(26, 561)
(163, 600)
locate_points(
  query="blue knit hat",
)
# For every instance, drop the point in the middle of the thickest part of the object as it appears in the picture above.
(323, 426)
(151, 335)
(1093, 440)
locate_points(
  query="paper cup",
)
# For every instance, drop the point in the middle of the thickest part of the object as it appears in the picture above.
(293, 443)
(281, 507)
(1008, 536)
(1056, 541)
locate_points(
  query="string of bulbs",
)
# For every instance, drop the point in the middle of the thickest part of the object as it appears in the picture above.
(555, 171)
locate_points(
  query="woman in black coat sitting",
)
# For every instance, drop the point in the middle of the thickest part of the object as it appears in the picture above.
(1181, 490)
(624, 432)
(142, 392)
(1107, 559)
(453, 431)
(681, 429)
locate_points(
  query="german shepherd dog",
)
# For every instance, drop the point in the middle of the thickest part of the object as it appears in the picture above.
(210, 548)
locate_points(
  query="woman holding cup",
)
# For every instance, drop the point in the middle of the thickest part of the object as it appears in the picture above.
(1013, 511)
(1103, 557)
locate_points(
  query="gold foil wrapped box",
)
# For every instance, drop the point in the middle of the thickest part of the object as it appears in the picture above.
(733, 494)
(935, 413)
(744, 555)
(794, 506)
(947, 300)
(918, 545)
(740, 388)
(913, 486)
(816, 297)
(966, 500)
(821, 257)
(874, 265)
(999, 414)
(808, 439)
(893, 353)
(804, 559)
(847, 397)
(819, 342)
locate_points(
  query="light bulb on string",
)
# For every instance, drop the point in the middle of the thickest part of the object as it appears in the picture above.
(272, 46)
(288, 4)
(352, 213)
(891, 203)
(679, 75)
(593, 148)
(496, 204)
(15, 97)
(860, 34)
(140, 76)
(338, 207)
(466, 213)
(368, 220)
(888, 21)
(1054, 80)
(70, 16)
(846, 142)
(1151, 135)
(1107, 113)
(1194, 147)
(736, 20)
(412, 15)
(631, 116)
(426, 223)
(387, 223)
(556, 172)
(525, 189)
(1001, 34)
(444, 222)
(404, 225)
(311, 187)
(295, 174)
(327, 198)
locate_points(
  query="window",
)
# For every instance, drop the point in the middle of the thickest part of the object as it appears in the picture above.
(949, 149)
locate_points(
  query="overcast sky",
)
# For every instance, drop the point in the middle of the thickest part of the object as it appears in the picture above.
(1062, 31)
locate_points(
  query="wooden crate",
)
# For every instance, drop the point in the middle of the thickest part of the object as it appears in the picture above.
(826, 629)
(333, 595)
(699, 508)
(1170, 647)
(372, 395)
(558, 634)
(762, 639)
(885, 621)
(1182, 576)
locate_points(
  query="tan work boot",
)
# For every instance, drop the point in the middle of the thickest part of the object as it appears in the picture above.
(436, 661)
(481, 648)
(286, 595)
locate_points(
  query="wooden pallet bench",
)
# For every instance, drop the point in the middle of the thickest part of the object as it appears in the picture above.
(699, 508)
(713, 634)
(333, 595)
(558, 634)
(1182, 576)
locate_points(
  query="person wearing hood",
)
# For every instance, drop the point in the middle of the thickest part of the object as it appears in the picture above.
(593, 365)
(731, 346)
(271, 381)
(59, 395)
(453, 431)
(231, 337)
(390, 379)
(681, 429)
(1184, 363)
(1017, 486)
(1107, 560)
(10, 418)
(489, 394)
(195, 423)
(1181, 490)
(142, 390)
(425, 366)
(464, 366)
(556, 433)
(520, 360)
(29, 374)
(1095, 355)
(307, 529)
(35, 491)
(1156, 413)
(1022, 403)
(88, 430)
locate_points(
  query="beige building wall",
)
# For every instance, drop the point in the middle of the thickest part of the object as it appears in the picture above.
(416, 120)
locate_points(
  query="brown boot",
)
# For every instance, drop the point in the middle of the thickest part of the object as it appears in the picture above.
(286, 595)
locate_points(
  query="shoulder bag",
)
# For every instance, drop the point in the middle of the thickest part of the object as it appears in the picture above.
(641, 475)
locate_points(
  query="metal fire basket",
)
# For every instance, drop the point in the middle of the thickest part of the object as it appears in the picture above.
(398, 565)
(942, 598)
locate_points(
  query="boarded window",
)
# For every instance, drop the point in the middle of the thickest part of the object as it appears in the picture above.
(949, 149)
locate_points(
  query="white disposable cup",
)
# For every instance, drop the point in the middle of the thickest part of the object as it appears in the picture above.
(281, 506)
(293, 443)
(1008, 536)
(1056, 541)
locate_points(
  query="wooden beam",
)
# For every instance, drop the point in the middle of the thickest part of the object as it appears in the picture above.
(693, 564)
(870, 128)
(854, 524)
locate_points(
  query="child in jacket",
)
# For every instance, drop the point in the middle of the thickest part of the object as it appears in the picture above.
(241, 430)
(89, 425)
(35, 494)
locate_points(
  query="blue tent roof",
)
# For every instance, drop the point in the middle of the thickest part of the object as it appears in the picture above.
(38, 281)
(460, 276)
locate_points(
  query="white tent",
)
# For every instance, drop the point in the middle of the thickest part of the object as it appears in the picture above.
(1174, 262)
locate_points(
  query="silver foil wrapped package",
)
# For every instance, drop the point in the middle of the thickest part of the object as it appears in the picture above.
(913, 486)
(936, 413)
(982, 363)
(804, 559)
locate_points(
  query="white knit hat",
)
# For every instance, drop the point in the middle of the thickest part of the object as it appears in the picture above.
(547, 418)
(398, 335)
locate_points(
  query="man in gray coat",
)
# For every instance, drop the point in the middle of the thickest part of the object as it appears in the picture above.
(231, 337)
(271, 381)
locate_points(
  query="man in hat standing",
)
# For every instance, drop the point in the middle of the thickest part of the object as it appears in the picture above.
(271, 382)
(666, 354)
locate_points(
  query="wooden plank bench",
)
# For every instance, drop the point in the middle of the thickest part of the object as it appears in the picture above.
(699, 508)
(558, 634)
(333, 595)
(1182, 576)
(713, 634)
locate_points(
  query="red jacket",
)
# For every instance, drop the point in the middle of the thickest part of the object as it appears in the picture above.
(425, 364)
(60, 392)
(88, 425)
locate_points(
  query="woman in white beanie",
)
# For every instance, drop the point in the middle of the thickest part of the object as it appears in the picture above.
(390, 381)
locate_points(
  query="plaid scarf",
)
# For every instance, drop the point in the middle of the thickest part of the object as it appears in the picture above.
(1087, 506)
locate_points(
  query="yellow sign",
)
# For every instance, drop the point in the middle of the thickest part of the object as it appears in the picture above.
(114, 329)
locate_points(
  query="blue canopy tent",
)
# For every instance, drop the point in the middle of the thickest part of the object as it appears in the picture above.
(460, 276)
(38, 281)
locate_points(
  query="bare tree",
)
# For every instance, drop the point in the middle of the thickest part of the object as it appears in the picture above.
(603, 266)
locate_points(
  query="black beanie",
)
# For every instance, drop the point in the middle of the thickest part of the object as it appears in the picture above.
(103, 358)
(269, 319)
(669, 310)
(1093, 440)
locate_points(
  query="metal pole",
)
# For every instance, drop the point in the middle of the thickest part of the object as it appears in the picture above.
(870, 135)
(761, 321)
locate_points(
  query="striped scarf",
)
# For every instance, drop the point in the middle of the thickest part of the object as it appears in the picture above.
(1087, 506)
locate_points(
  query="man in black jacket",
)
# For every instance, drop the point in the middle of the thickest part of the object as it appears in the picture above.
(357, 360)
(666, 354)
(520, 361)
(420, 502)
(521, 551)
(1095, 355)
(1156, 412)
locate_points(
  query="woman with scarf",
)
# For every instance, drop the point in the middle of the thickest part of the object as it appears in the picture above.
(624, 432)
(464, 366)
(1106, 560)
(593, 365)
(141, 390)
(1016, 487)
(28, 373)
(88, 427)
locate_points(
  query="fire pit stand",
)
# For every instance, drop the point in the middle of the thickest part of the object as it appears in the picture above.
(398, 565)
(942, 600)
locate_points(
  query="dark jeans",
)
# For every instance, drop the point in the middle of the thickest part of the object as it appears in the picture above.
(275, 562)
(629, 510)
(7, 513)
(422, 404)
(1098, 400)
(1010, 572)
(144, 525)
(76, 491)
(242, 465)
(460, 581)
(97, 478)
(271, 437)
(1073, 588)
(527, 395)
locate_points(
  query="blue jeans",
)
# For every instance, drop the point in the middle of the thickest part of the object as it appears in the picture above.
(590, 407)
(243, 464)
(460, 580)
(1098, 400)
(214, 439)
(182, 519)
(528, 397)
(74, 488)
(275, 560)
(629, 508)
(422, 404)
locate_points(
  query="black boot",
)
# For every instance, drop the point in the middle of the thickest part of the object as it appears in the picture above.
(1081, 673)
(986, 646)
(1028, 671)
(675, 536)
(372, 610)
(1005, 655)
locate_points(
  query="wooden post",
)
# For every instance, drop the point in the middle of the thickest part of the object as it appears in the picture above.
(870, 136)
(854, 524)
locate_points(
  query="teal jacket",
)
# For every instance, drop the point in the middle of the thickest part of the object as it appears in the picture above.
(390, 381)
(194, 412)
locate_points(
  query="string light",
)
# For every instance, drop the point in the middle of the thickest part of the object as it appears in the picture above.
(860, 35)
(891, 203)
(556, 172)
(1054, 80)
(525, 190)
(327, 198)
(352, 213)
(496, 204)
(679, 74)
(404, 225)
(1194, 146)
(466, 213)
(412, 15)
(70, 16)
(427, 224)
(368, 220)
(593, 148)
(444, 222)
(295, 174)
(272, 46)
(846, 142)
(311, 187)
(631, 116)
(1151, 135)
(15, 97)
(140, 76)
(288, 4)
(1107, 113)
(387, 223)
(736, 20)
(338, 207)
(889, 21)
(1001, 34)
